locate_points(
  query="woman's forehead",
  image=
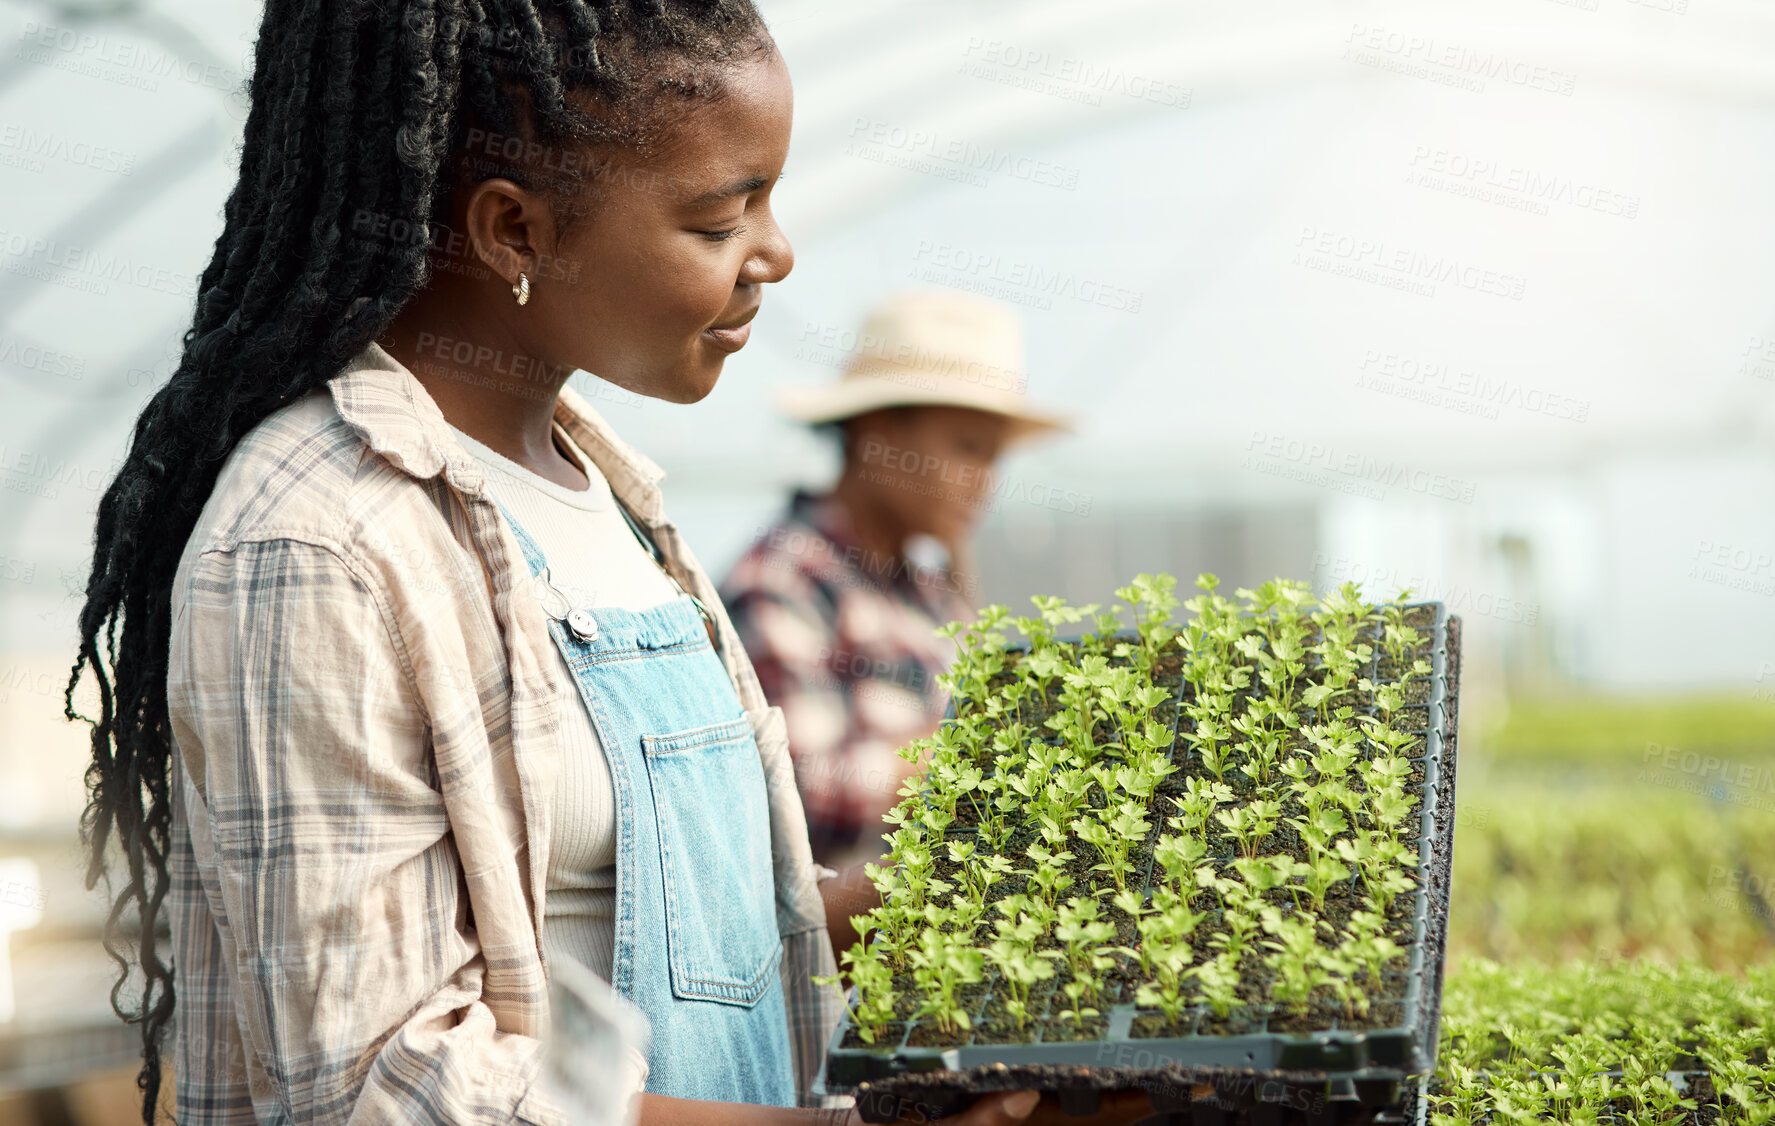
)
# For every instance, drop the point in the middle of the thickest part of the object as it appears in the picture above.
(742, 132)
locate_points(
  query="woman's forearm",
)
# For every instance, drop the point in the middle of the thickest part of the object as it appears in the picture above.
(663, 1110)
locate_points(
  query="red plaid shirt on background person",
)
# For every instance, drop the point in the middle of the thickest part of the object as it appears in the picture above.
(844, 641)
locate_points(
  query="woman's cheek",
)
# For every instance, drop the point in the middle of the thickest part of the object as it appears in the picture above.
(689, 294)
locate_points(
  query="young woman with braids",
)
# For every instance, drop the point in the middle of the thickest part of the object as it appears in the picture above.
(407, 687)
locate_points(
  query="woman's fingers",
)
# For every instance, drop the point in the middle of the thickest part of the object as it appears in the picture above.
(1118, 1108)
(1002, 1109)
(1032, 1108)
(1020, 1103)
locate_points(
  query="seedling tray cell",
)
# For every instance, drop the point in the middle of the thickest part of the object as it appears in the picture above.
(1334, 1066)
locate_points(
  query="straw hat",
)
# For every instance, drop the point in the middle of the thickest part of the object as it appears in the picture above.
(935, 348)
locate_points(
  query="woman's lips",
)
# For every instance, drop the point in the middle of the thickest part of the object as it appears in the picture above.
(730, 339)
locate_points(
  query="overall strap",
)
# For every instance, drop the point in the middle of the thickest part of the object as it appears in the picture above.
(539, 565)
(532, 553)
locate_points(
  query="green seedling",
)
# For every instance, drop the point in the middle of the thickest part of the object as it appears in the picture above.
(1250, 824)
(1297, 958)
(873, 979)
(1390, 808)
(1375, 857)
(941, 964)
(1319, 875)
(1201, 798)
(1114, 837)
(1395, 742)
(1178, 856)
(1218, 981)
(1020, 968)
(1048, 878)
(1210, 743)
(978, 874)
(1369, 949)
(1083, 933)
(1322, 824)
(1264, 873)
(1164, 931)
(1078, 991)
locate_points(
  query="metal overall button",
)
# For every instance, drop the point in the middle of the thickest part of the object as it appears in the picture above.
(583, 625)
(580, 621)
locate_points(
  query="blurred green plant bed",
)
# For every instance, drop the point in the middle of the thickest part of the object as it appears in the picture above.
(1617, 1041)
(1737, 732)
(1630, 869)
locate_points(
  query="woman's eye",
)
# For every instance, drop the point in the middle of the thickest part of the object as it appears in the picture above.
(721, 236)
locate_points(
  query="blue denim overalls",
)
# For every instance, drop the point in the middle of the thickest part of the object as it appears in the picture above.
(697, 947)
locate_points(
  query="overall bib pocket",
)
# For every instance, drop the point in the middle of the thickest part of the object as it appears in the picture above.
(714, 841)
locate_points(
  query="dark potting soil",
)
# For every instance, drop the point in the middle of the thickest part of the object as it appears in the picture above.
(1241, 1021)
(1318, 1014)
(971, 997)
(886, 1041)
(928, 1035)
(997, 1027)
(1388, 667)
(906, 996)
(1156, 1026)
(1057, 1028)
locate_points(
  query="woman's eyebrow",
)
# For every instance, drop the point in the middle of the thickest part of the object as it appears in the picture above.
(738, 187)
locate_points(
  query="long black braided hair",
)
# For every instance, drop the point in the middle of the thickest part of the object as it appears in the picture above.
(359, 108)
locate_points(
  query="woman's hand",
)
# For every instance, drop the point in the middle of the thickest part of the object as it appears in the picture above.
(1001, 1108)
(1031, 1108)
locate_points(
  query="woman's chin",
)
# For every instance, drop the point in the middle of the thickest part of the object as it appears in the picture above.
(701, 389)
(690, 384)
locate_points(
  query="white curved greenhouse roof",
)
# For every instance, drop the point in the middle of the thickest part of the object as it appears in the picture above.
(1464, 240)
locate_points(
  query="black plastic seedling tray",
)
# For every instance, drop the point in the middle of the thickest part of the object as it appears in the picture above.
(1321, 1076)
(1180, 1095)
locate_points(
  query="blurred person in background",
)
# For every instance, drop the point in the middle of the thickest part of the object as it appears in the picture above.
(838, 602)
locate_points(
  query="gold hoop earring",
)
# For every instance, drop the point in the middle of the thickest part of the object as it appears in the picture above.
(522, 289)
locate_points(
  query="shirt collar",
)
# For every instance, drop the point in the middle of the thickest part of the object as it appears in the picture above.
(828, 517)
(397, 417)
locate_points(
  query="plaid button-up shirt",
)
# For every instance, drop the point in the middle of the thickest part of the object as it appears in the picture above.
(845, 641)
(361, 700)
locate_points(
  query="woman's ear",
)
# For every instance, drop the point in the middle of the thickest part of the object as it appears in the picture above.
(509, 227)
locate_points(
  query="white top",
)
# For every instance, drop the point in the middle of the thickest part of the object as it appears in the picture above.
(594, 558)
